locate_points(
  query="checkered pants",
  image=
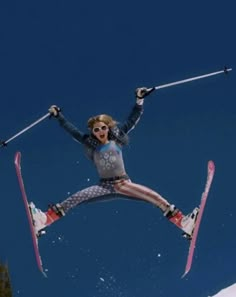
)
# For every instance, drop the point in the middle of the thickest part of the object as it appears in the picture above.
(108, 190)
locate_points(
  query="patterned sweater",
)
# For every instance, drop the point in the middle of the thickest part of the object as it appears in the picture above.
(106, 157)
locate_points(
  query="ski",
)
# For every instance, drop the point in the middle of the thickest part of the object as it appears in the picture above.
(28, 213)
(210, 175)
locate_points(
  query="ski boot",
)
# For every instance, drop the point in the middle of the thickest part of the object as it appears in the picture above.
(185, 223)
(39, 219)
(43, 219)
(188, 223)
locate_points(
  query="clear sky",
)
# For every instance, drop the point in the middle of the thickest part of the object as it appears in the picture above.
(88, 57)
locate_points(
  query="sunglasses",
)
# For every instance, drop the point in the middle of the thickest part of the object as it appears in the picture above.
(102, 128)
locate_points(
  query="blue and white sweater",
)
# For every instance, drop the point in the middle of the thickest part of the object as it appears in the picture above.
(108, 157)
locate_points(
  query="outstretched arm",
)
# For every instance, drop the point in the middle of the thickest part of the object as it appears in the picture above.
(132, 119)
(136, 112)
(55, 111)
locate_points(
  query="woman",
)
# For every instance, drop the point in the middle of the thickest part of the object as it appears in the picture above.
(103, 145)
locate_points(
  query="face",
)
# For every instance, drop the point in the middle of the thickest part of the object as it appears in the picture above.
(100, 131)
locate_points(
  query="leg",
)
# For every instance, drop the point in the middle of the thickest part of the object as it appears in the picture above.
(131, 189)
(95, 193)
(44, 219)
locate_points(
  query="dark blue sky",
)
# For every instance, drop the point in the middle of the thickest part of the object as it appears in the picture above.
(88, 58)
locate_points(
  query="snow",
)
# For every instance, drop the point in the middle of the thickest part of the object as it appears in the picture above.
(228, 292)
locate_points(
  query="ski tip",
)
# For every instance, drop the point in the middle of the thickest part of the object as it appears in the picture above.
(17, 157)
(211, 165)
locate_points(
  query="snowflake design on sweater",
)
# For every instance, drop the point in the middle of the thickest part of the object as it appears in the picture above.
(107, 160)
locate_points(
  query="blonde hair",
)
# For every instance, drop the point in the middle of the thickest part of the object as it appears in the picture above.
(106, 119)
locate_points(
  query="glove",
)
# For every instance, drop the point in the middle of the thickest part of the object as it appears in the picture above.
(54, 110)
(141, 92)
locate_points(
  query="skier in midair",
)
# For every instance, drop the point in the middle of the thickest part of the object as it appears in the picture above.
(103, 146)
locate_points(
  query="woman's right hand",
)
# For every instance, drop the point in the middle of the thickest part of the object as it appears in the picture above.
(54, 110)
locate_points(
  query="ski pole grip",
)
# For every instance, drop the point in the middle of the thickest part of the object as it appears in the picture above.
(149, 91)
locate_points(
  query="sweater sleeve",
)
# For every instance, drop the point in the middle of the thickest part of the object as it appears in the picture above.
(132, 119)
(71, 129)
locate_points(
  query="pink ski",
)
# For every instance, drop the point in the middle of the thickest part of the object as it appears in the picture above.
(210, 175)
(28, 212)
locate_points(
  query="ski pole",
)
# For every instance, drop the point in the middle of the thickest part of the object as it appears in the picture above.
(4, 143)
(225, 71)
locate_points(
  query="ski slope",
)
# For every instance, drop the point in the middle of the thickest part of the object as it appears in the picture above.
(228, 292)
